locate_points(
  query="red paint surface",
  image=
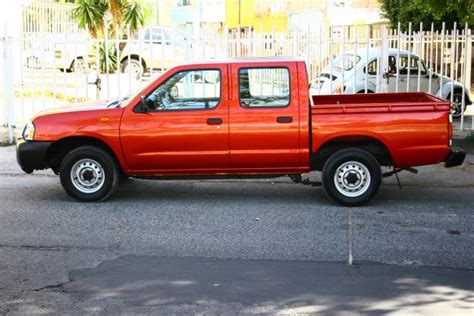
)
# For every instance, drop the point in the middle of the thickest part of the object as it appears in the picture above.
(413, 126)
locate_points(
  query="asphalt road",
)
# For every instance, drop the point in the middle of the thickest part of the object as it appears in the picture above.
(46, 239)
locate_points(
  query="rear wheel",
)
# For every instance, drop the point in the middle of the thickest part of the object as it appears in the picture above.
(134, 67)
(89, 173)
(351, 177)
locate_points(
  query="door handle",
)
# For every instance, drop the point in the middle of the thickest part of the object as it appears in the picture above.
(214, 121)
(284, 119)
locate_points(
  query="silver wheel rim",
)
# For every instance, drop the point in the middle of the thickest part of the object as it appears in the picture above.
(134, 69)
(457, 104)
(80, 66)
(87, 176)
(352, 179)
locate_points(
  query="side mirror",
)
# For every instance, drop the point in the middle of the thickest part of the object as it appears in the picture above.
(174, 92)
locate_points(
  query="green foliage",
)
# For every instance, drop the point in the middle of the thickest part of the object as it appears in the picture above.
(134, 15)
(107, 58)
(90, 15)
(93, 15)
(428, 11)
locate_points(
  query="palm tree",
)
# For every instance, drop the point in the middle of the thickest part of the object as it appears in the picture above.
(92, 15)
(104, 17)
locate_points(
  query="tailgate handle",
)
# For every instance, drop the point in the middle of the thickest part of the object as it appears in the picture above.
(214, 121)
(284, 119)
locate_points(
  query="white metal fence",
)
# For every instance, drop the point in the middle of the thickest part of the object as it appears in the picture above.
(51, 69)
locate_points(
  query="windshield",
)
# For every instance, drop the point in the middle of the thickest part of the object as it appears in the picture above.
(346, 61)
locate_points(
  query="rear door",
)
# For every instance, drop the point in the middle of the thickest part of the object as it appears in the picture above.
(264, 117)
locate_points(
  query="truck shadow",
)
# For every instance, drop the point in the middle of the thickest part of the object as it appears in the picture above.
(218, 191)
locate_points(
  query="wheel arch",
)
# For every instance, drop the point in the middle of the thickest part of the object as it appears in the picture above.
(368, 91)
(136, 57)
(445, 91)
(60, 148)
(372, 144)
(71, 65)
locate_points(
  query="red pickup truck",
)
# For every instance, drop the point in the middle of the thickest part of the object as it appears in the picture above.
(240, 118)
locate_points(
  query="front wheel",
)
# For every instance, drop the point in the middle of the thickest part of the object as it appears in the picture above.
(351, 177)
(89, 173)
(79, 65)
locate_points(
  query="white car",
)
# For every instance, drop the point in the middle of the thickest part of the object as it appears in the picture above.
(157, 47)
(363, 62)
(153, 48)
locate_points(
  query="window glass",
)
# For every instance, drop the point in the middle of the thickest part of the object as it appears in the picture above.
(346, 62)
(187, 90)
(392, 65)
(372, 67)
(414, 64)
(264, 87)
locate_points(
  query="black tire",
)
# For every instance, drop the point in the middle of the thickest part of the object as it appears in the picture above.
(134, 66)
(457, 103)
(79, 65)
(350, 165)
(101, 164)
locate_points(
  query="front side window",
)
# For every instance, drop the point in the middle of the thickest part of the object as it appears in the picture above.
(187, 90)
(264, 87)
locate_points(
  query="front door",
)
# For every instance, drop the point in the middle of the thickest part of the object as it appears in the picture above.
(264, 118)
(185, 127)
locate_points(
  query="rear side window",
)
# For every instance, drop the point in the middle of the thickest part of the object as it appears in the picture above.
(264, 87)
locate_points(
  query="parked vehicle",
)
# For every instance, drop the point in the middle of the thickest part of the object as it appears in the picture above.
(365, 65)
(241, 118)
(153, 48)
(73, 56)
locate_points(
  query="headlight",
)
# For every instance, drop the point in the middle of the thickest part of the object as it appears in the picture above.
(29, 131)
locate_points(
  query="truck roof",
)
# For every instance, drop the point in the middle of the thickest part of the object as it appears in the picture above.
(245, 60)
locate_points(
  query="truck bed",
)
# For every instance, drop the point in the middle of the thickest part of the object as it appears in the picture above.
(378, 103)
(412, 126)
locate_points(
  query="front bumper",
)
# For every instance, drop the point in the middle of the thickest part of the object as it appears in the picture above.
(31, 155)
(455, 157)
